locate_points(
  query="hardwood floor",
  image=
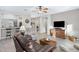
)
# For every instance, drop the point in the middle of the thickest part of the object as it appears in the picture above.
(7, 45)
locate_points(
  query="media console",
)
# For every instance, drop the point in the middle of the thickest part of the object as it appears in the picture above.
(58, 32)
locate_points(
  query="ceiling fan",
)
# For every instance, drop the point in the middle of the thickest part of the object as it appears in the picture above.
(41, 9)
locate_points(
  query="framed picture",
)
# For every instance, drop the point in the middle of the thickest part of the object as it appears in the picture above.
(27, 21)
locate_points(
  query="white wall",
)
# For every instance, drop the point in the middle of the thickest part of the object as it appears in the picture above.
(42, 24)
(0, 27)
(70, 17)
(23, 19)
(49, 24)
(45, 22)
(42, 21)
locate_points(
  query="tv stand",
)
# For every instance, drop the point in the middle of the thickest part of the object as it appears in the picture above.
(59, 32)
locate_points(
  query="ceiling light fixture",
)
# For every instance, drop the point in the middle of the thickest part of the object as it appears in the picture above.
(41, 9)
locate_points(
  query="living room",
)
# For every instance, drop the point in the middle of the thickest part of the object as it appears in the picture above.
(44, 28)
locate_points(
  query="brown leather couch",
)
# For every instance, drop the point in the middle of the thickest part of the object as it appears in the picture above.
(21, 44)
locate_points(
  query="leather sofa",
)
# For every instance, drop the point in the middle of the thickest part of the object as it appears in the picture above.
(21, 44)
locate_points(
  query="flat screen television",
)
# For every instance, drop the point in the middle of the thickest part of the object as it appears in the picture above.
(59, 23)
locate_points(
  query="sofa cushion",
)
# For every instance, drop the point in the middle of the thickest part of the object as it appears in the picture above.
(28, 37)
(23, 41)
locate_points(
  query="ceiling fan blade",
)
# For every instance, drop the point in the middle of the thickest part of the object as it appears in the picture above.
(45, 11)
(40, 9)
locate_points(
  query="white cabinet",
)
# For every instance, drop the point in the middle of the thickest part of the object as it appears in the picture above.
(7, 28)
(6, 33)
(3, 33)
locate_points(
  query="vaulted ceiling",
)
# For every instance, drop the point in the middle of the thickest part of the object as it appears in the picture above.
(24, 10)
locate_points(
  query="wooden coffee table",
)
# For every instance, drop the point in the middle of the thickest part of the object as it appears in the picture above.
(48, 42)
